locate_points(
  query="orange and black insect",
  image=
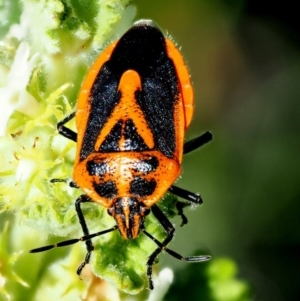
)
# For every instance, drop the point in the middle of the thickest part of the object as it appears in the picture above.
(132, 113)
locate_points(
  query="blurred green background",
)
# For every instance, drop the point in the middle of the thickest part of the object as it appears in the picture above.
(244, 60)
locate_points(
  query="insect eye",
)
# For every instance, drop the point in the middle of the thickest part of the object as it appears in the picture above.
(110, 211)
(145, 211)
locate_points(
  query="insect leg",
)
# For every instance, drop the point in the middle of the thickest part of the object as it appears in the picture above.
(180, 206)
(163, 245)
(64, 131)
(197, 142)
(89, 245)
(67, 181)
(185, 194)
(193, 198)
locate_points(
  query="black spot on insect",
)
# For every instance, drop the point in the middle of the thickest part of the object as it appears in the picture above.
(141, 187)
(106, 190)
(96, 168)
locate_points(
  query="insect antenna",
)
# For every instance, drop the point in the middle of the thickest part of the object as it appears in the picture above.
(72, 241)
(199, 258)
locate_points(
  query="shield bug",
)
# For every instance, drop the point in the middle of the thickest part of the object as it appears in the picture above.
(134, 107)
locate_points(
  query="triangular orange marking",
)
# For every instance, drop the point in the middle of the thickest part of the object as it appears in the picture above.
(127, 108)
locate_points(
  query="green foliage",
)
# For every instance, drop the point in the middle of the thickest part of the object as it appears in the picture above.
(216, 280)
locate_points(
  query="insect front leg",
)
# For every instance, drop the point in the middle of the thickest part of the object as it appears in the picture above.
(67, 181)
(66, 132)
(89, 245)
